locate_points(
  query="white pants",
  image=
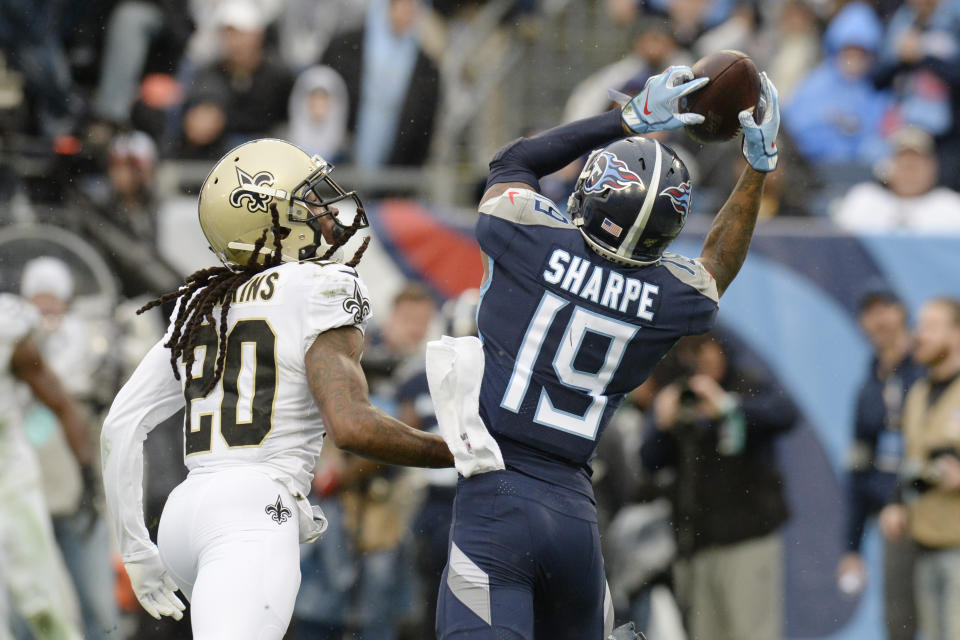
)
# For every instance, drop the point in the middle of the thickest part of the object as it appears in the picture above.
(230, 540)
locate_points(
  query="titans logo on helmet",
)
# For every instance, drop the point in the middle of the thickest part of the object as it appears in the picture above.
(255, 200)
(607, 171)
(679, 197)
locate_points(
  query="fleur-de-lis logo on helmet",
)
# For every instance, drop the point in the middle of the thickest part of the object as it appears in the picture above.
(357, 305)
(278, 512)
(246, 194)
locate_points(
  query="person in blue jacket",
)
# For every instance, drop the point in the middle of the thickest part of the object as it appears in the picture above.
(836, 113)
(876, 453)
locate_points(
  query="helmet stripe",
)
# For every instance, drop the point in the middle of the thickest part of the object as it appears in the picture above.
(633, 236)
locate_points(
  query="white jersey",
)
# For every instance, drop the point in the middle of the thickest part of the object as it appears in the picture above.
(259, 414)
(31, 564)
(18, 464)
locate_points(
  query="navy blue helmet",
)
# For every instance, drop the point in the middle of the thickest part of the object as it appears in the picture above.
(631, 200)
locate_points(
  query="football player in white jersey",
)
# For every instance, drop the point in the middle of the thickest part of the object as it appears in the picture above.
(265, 354)
(33, 567)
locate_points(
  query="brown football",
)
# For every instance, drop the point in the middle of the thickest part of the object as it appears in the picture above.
(734, 86)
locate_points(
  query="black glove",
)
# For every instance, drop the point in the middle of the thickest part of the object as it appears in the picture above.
(88, 499)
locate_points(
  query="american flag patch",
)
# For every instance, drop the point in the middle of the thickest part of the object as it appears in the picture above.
(611, 227)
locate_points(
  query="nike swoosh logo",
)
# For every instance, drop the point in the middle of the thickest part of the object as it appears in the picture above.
(646, 111)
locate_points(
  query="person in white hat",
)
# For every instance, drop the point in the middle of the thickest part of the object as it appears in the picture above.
(909, 196)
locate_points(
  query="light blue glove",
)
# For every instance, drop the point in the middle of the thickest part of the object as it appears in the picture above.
(760, 141)
(655, 108)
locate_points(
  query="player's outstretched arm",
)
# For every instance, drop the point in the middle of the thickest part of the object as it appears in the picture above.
(28, 365)
(728, 240)
(521, 163)
(340, 389)
(524, 161)
(729, 237)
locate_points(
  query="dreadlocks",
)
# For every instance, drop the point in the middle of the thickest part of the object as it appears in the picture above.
(204, 289)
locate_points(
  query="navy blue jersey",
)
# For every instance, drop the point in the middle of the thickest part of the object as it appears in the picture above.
(566, 333)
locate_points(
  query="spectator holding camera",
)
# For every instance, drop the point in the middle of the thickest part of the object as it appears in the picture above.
(715, 426)
(930, 476)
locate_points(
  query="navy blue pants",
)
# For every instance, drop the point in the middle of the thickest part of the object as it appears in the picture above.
(524, 563)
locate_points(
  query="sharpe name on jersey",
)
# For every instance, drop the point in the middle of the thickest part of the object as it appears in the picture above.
(604, 286)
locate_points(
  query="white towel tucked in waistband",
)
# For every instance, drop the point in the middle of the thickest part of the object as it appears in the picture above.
(454, 372)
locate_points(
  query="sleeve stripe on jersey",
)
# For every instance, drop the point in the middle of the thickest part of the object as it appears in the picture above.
(691, 273)
(526, 207)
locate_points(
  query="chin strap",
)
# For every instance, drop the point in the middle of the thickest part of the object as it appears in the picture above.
(339, 231)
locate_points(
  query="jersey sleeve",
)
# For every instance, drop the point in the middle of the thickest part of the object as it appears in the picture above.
(502, 217)
(702, 312)
(149, 397)
(337, 297)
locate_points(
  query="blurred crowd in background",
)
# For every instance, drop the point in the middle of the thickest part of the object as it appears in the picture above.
(111, 111)
(112, 99)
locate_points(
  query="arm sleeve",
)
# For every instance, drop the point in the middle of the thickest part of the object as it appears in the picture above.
(527, 160)
(150, 396)
(701, 308)
(502, 216)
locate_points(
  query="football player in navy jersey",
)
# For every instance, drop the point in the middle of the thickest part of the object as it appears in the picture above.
(575, 313)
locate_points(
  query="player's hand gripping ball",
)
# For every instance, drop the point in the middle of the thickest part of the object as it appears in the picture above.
(656, 108)
(760, 133)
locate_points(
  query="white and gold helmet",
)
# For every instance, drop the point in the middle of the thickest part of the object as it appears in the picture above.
(237, 196)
